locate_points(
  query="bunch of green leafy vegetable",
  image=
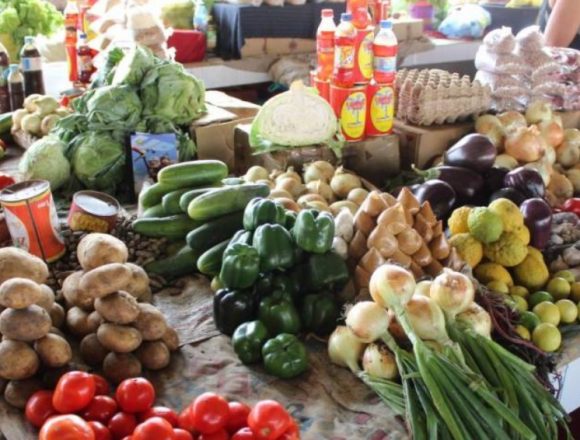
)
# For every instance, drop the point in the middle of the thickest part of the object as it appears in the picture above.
(20, 18)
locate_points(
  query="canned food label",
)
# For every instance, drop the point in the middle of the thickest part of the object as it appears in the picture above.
(353, 115)
(344, 57)
(365, 56)
(382, 109)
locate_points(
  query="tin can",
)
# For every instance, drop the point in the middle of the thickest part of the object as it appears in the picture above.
(93, 211)
(323, 87)
(380, 109)
(363, 66)
(32, 219)
(350, 107)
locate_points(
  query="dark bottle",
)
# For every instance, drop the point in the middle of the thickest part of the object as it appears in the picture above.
(16, 87)
(85, 60)
(4, 67)
(31, 68)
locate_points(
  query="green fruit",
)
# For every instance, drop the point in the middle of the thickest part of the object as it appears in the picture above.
(566, 274)
(548, 312)
(539, 297)
(547, 337)
(529, 320)
(499, 287)
(575, 292)
(559, 288)
(521, 305)
(484, 225)
(523, 332)
(519, 291)
(568, 311)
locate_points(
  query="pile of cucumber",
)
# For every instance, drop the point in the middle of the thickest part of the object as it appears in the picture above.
(196, 202)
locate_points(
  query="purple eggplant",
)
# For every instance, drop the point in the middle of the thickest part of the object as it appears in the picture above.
(465, 182)
(474, 151)
(494, 178)
(439, 194)
(538, 219)
(527, 181)
(508, 193)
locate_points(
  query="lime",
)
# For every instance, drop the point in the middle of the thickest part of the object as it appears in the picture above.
(547, 337)
(519, 291)
(539, 297)
(523, 332)
(499, 287)
(548, 312)
(575, 292)
(559, 288)
(568, 311)
(529, 320)
(520, 304)
(566, 274)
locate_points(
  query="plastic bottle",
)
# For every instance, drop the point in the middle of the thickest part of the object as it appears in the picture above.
(16, 87)
(325, 45)
(385, 10)
(4, 68)
(85, 60)
(200, 17)
(344, 40)
(31, 68)
(360, 13)
(385, 53)
(71, 24)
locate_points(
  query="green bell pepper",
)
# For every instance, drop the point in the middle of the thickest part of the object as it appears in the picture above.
(285, 356)
(232, 308)
(263, 285)
(319, 313)
(275, 247)
(241, 236)
(262, 211)
(286, 282)
(278, 313)
(290, 219)
(325, 272)
(240, 266)
(314, 231)
(248, 340)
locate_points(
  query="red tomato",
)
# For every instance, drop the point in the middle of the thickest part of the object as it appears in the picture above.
(238, 416)
(154, 428)
(269, 420)
(122, 424)
(101, 409)
(135, 395)
(222, 434)
(102, 386)
(160, 411)
(244, 434)
(66, 427)
(292, 433)
(185, 419)
(181, 434)
(73, 392)
(101, 431)
(210, 413)
(39, 408)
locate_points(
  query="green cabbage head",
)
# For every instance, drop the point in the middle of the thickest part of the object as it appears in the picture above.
(113, 108)
(45, 160)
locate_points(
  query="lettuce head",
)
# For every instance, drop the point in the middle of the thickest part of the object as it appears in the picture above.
(45, 160)
(113, 107)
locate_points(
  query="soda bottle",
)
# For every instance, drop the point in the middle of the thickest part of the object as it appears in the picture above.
(71, 23)
(385, 53)
(31, 68)
(360, 13)
(344, 41)
(85, 60)
(385, 10)
(15, 87)
(325, 45)
(4, 93)
(200, 16)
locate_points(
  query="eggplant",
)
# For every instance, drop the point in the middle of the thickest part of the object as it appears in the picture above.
(538, 219)
(474, 151)
(465, 182)
(439, 194)
(494, 178)
(508, 193)
(527, 181)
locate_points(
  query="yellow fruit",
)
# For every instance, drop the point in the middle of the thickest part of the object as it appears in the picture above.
(487, 272)
(508, 251)
(499, 287)
(531, 273)
(567, 275)
(521, 305)
(523, 332)
(547, 337)
(519, 291)
(535, 253)
(548, 312)
(485, 225)
(469, 249)
(523, 234)
(458, 221)
(568, 311)
(575, 292)
(509, 213)
(559, 288)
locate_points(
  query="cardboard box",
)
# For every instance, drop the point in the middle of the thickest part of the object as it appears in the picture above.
(408, 28)
(375, 158)
(418, 145)
(570, 119)
(240, 108)
(277, 46)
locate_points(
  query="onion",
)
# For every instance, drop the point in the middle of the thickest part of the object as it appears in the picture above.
(568, 153)
(378, 361)
(550, 154)
(291, 185)
(345, 349)
(256, 173)
(267, 182)
(560, 186)
(552, 132)
(477, 319)
(344, 225)
(289, 173)
(391, 286)
(543, 168)
(342, 183)
(427, 319)
(539, 111)
(319, 206)
(357, 195)
(491, 126)
(322, 188)
(423, 288)
(524, 144)
(340, 247)
(319, 170)
(505, 161)
(303, 200)
(368, 321)
(280, 193)
(341, 205)
(512, 120)
(452, 291)
(574, 176)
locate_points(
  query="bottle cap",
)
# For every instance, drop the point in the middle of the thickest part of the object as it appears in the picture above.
(327, 13)
(13, 68)
(345, 16)
(29, 40)
(386, 24)
(82, 35)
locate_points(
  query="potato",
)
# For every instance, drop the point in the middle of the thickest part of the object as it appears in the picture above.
(146, 298)
(18, 392)
(92, 351)
(19, 293)
(17, 263)
(74, 295)
(118, 308)
(119, 338)
(27, 324)
(47, 298)
(17, 360)
(105, 280)
(56, 331)
(139, 284)
(153, 355)
(81, 323)
(57, 315)
(120, 366)
(150, 322)
(171, 339)
(53, 350)
(96, 250)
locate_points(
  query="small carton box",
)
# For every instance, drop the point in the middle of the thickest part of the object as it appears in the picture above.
(408, 28)
(374, 159)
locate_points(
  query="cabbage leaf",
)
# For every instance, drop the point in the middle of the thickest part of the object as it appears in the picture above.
(45, 160)
(113, 107)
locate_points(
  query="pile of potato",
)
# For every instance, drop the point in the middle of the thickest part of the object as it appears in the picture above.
(107, 306)
(401, 231)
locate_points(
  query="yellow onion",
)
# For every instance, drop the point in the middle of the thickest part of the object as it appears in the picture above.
(321, 188)
(539, 111)
(452, 291)
(318, 170)
(289, 173)
(477, 319)
(552, 132)
(256, 173)
(427, 319)
(512, 120)
(378, 361)
(291, 185)
(267, 182)
(490, 126)
(342, 182)
(505, 161)
(368, 321)
(357, 195)
(423, 288)
(391, 286)
(345, 349)
(525, 144)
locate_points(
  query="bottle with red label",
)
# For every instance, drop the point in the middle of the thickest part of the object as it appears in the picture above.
(325, 45)
(344, 45)
(71, 24)
(360, 13)
(385, 10)
(385, 48)
(85, 60)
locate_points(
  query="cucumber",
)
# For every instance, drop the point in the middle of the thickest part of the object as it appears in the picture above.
(193, 173)
(212, 233)
(170, 201)
(6, 122)
(230, 181)
(154, 211)
(225, 200)
(182, 263)
(152, 195)
(186, 198)
(175, 226)
(210, 262)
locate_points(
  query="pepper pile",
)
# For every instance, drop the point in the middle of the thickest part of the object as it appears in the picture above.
(279, 277)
